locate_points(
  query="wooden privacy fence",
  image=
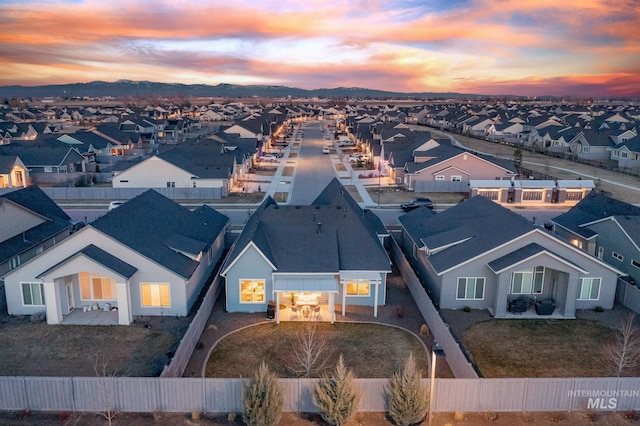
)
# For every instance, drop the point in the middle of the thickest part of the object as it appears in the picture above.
(132, 394)
(460, 365)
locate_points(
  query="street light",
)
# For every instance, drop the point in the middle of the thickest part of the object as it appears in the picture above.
(436, 351)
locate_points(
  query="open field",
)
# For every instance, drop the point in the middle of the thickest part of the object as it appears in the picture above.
(370, 350)
(539, 348)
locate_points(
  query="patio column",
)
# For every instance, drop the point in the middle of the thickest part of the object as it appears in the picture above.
(375, 299)
(52, 303)
(500, 308)
(571, 296)
(277, 307)
(332, 308)
(125, 316)
(344, 297)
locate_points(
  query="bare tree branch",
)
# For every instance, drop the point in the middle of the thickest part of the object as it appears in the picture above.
(623, 353)
(310, 350)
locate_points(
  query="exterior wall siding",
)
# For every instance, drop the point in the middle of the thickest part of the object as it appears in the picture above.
(251, 265)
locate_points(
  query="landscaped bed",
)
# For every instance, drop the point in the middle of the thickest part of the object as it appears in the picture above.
(540, 348)
(370, 350)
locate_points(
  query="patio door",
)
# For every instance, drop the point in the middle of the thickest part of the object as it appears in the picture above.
(70, 301)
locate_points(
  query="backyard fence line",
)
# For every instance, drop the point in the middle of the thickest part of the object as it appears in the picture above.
(460, 365)
(154, 394)
(188, 343)
(628, 295)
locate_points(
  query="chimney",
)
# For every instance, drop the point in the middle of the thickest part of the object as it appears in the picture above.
(319, 228)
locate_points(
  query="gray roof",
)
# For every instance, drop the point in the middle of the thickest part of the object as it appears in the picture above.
(594, 206)
(107, 260)
(153, 225)
(333, 234)
(34, 199)
(630, 225)
(465, 231)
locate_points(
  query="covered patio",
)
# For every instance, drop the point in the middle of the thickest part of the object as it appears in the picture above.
(305, 297)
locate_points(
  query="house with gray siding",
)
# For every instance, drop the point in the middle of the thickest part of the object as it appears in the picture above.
(484, 256)
(310, 261)
(149, 256)
(606, 228)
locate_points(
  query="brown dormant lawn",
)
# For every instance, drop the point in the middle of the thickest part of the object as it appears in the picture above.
(39, 349)
(370, 350)
(539, 348)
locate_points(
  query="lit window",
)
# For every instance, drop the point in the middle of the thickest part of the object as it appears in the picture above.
(589, 289)
(252, 291)
(32, 294)
(358, 288)
(470, 288)
(95, 287)
(155, 295)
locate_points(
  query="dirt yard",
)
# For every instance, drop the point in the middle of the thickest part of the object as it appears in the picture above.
(13, 418)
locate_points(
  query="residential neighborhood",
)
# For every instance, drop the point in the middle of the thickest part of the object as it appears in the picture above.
(133, 216)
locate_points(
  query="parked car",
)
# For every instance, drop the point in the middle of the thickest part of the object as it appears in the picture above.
(354, 158)
(77, 225)
(326, 150)
(415, 203)
(114, 204)
(273, 158)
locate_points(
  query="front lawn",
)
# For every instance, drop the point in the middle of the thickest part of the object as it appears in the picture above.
(539, 348)
(370, 350)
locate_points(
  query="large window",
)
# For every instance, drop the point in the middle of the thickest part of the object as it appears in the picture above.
(358, 288)
(574, 195)
(527, 282)
(95, 287)
(470, 288)
(32, 294)
(155, 295)
(252, 291)
(589, 288)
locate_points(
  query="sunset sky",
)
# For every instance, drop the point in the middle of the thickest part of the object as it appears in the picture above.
(586, 48)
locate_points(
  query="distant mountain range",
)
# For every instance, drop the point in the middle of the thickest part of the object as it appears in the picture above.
(128, 88)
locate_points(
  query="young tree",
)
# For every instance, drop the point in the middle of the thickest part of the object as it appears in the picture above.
(336, 396)
(517, 157)
(310, 350)
(108, 387)
(623, 353)
(263, 399)
(408, 404)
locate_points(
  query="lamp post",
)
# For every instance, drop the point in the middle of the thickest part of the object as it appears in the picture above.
(436, 351)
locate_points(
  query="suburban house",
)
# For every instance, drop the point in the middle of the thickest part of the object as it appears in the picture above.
(437, 162)
(606, 228)
(308, 259)
(203, 164)
(150, 256)
(30, 222)
(484, 256)
(13, 172)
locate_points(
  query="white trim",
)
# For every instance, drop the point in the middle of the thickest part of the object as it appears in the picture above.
(582, 280)
(244, 250)
(548, 253)
(484, 283)
(264, 295)
(44, 303)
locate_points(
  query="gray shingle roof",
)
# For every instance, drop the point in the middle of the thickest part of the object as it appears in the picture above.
(330, 235)
(465, 231)
(150, 223)
(107, 260)
(593, 207)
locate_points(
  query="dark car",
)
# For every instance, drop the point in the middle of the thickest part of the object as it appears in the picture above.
(415, 203)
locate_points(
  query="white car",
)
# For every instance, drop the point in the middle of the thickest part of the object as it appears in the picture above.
(114, 204)
(326, 150)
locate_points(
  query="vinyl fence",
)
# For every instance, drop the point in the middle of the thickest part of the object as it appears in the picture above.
(99, 394)
(190, 339)
(629, 295)
(456, 357)
(91, 193)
